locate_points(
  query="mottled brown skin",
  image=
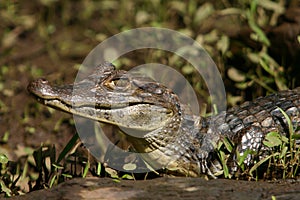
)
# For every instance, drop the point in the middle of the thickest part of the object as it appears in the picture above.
(175, 140)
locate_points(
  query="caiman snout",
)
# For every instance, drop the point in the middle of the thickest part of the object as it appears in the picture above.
(41, 88)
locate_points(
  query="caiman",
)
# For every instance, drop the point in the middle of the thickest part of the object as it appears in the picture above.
(174, 139)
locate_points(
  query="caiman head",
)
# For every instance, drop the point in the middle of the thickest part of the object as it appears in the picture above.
(126, 100)
(112, 96)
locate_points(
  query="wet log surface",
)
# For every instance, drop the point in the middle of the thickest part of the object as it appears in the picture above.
(168, 188)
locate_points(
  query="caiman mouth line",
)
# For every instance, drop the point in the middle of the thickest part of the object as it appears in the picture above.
(126, 116)
(47, 101)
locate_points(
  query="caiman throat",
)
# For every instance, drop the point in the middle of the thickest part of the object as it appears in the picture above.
(174, 139)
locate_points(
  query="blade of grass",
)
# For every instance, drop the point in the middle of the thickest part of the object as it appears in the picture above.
(223, 161)
(86, 169)
(67, 148)
(4, 188)
(52, 181)
(261, 162)
(99, 168)
(291, 133)
(251, 21)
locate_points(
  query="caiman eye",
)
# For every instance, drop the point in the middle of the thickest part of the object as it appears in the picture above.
(118, 83)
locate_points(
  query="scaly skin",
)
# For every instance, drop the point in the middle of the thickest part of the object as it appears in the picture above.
(176, 140)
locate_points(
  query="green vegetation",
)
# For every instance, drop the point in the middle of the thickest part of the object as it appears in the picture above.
(51, 38)
(39, 169)
(282, 163)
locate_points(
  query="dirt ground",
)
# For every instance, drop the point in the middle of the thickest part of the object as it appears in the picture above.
(51, 43)
(168, 188)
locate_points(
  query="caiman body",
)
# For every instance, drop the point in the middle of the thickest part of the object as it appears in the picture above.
(171, 137)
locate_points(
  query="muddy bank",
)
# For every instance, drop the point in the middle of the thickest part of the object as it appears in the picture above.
(168, 188)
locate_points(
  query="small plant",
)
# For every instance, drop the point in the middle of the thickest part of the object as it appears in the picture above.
(283, 158)
(5, 181)
(225, 151)
(285, 152)
(39, 169)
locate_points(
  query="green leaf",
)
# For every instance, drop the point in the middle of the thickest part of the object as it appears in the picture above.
(226, 171)
(99, 169)
(251, 21)
(228, 144)
(236, 75)
(5, 136)
(3, 159)
(266, 67)
(273, 197)
(67, 148)
(52, 181)
(187, 69)
(291, 129)
(67, 175)
(272, 139)
(127, 176)
(4, 188)
(261, 162)
(284, 139)
(290, 125)
(283, 152)
(242, 158)
(296, 136)
(270, 5)
(113, 173)
(223, 161)
(57, 166)
(116, 180)
(86, 169)
(203, 13)
(223, 44)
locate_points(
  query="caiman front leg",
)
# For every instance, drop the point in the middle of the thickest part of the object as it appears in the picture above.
(204, 156)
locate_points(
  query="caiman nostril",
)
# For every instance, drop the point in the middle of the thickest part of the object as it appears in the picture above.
(43, 80)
